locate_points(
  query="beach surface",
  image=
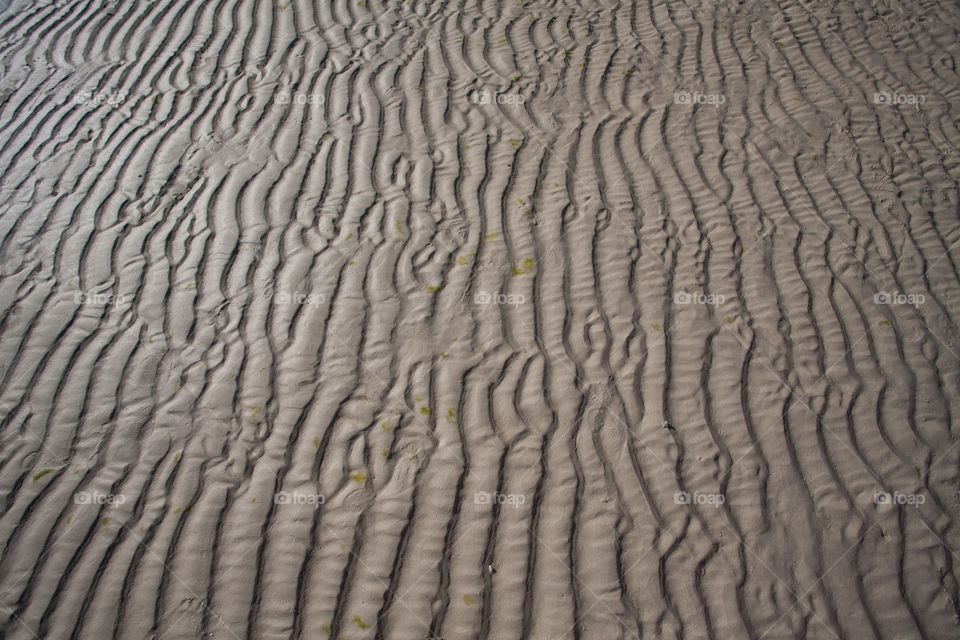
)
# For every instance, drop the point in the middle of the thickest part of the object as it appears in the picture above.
(479, 320)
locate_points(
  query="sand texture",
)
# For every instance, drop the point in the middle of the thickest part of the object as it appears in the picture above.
(479, 319)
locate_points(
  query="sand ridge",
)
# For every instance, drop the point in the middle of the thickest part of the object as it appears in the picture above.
(478, 319)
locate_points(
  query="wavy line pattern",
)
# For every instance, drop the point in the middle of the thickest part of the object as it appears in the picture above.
(475, 319)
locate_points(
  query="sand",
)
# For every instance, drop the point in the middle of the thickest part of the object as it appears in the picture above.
(479, 320)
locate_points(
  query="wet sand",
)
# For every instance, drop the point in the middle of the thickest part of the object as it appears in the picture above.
(479, 320)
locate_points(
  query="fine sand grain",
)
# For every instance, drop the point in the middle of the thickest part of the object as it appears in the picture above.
(479, 320)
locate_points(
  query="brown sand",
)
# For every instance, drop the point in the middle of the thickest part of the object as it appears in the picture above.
(479, 320)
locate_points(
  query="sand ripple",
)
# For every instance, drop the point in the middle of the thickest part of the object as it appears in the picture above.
(406, 320)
